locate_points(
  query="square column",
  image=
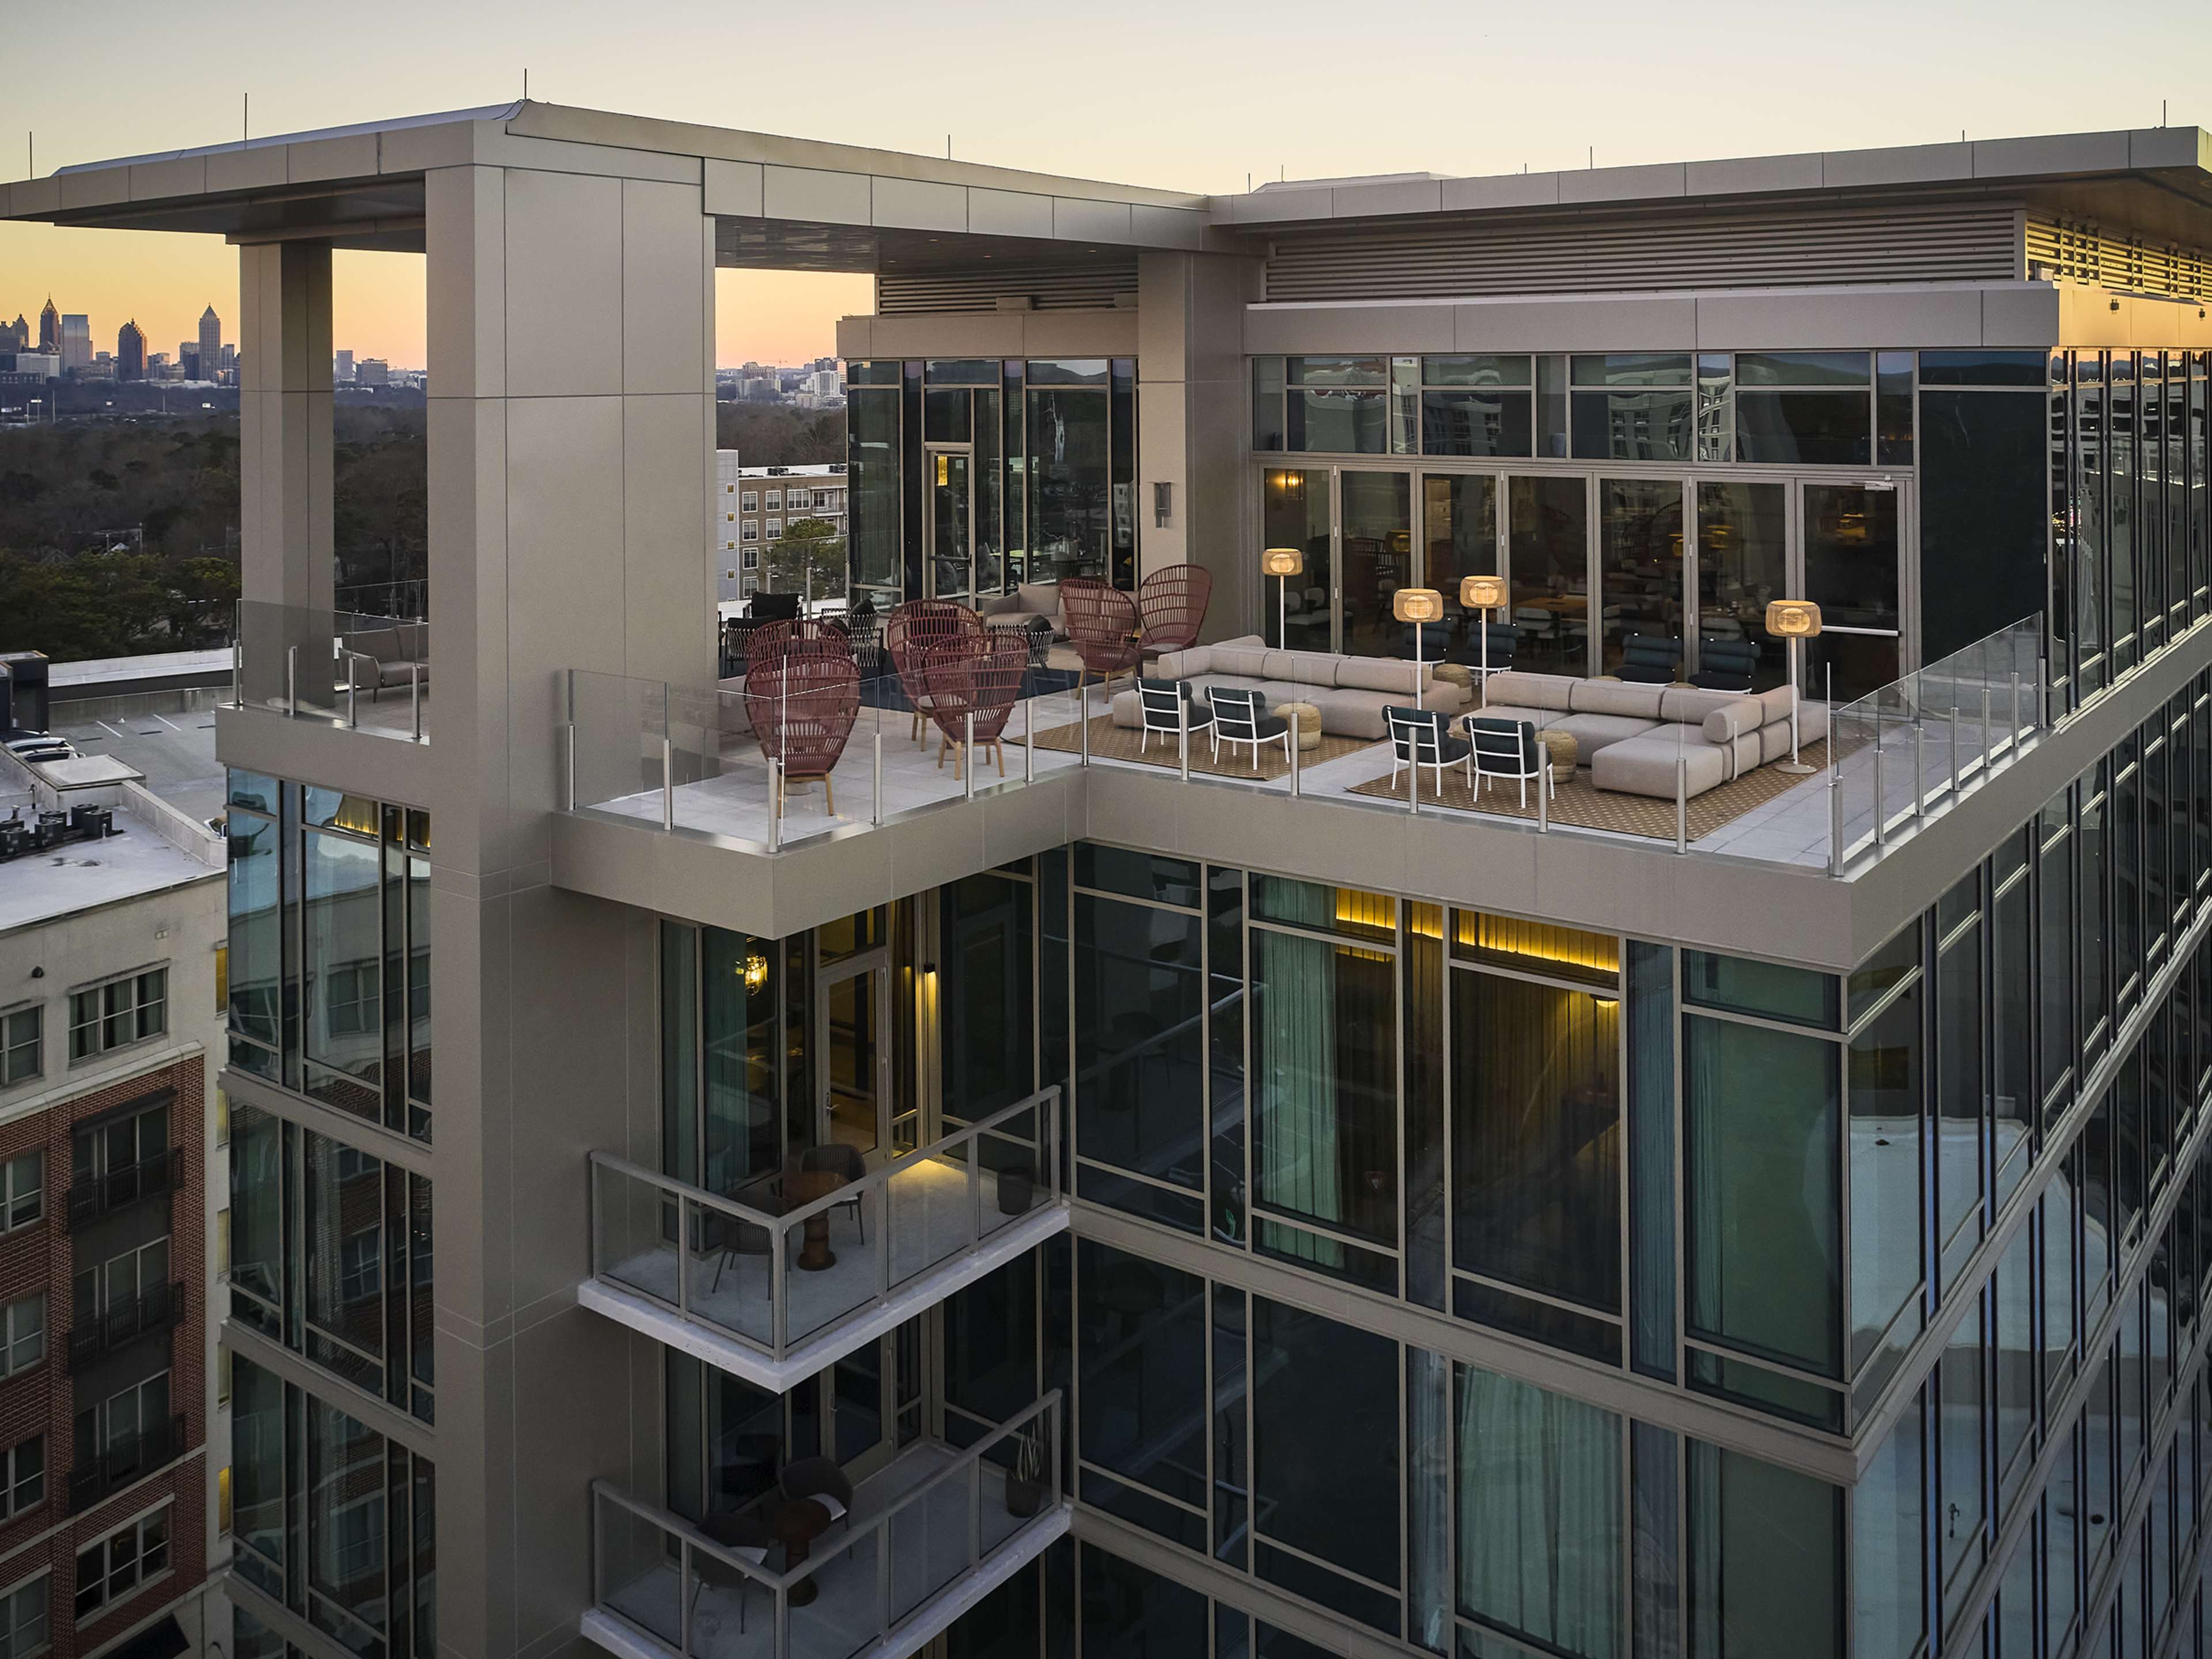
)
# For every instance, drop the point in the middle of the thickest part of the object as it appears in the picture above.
(285, 543)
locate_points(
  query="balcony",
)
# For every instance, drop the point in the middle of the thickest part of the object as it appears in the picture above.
(93, 1480)
(929, 1536)
(802, 1269)
(104, 1194)
(154, 1308)
(339, 667)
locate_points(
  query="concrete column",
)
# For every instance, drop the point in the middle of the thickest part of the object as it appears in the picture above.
(1193, 425)
(571, 465)
(284, 423)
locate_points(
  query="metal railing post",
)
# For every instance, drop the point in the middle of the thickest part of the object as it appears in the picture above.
(1182, 737)
(570, 768)
(967, 754)
(1029, 739)
(238, 657)
(1681, 803)
(415, 697)
(1986, 728)
(1955, 747)
(1835, 803)
(1083, 727)
(1880, 811)
(774, 804)
(1295, 752)
(291, 681)
(2013, 698)
(1544, 795)
(1919, 785)
(1414, 778)
(779, 1290)
(876, 811)
(353, 700)
(667, 783)
(682, 1257)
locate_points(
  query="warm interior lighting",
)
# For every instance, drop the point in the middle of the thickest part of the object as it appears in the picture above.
(756, 971)
(1417, 605)
(1482, 592)
(1793, 619)
(1375, 913)
(1538, 943)
(1283, 562)
(944, 471)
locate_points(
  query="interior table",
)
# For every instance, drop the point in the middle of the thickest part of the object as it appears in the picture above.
(798, 1522)
(802, 1188)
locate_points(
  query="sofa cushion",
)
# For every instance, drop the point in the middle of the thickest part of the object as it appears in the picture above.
(1309, 668)
(1526, 691)
(1595, 733)
(1775, 700)
(1377, 674)
(999, 604)
(1181, 665)
(1542, 718)
(1128, 709)
(1239, 657)
(1040, 598)
(1348, 712)
(1645, 765)
(1617, 697)
(1733, 719)
(1688, 705)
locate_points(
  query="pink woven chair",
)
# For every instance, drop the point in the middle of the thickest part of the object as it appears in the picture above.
(1172, 601)
(918, 629)
(803, 708)
(1103, 625)
(981, 678)
(809, 636)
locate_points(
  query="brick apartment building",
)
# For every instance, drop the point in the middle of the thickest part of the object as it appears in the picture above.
(109, 961)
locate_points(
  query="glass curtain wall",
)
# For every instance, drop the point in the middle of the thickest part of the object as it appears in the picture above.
(330, 916)
(1049, 449)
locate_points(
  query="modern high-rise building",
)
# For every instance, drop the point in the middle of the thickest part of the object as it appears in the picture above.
(16, 336)
(75, 342)
(1256, 1166)
(210, 343)
(131, 352)
(343, 373)
(49, 328)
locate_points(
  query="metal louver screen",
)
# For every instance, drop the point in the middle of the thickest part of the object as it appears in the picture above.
(1047, 288)
(1950, 242)
(2081, 254)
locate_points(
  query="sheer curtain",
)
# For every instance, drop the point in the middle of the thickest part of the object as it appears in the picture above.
(1540, 1515)
(1428, 1486)
(1295, 1156)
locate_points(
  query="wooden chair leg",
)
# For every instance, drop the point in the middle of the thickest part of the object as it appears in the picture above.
(828, 796)
(998, 748)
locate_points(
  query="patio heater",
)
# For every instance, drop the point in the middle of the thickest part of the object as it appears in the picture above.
(1418, 606)
(1283, 563)
(1794, 621)
(1482, 595)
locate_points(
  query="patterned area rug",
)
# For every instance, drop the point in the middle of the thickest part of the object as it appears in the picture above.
(1581, 803)
(1122, 742)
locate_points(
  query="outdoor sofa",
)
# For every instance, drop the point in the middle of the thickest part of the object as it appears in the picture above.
(1351, 692)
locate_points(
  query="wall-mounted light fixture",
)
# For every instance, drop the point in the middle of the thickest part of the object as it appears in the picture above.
(1163, 503)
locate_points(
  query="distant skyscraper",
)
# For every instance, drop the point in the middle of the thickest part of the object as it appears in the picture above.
(75, 342)
(131, 352)
(210, 343)
(344, 375)
(50, 327)
(372, 372)
(17, 334)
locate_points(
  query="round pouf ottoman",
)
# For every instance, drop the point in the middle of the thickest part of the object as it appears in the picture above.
(1565, 752)
(1303, 719)
(1456, 673)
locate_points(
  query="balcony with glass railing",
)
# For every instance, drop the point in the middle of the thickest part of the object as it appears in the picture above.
(802, 1266)
(924, 1540)
(367, 673)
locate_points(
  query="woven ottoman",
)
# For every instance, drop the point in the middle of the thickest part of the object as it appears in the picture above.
(1303, 719)
(1458, 674)
(1565, 752)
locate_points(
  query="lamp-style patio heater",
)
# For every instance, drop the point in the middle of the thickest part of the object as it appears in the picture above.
(1418, 606)
(1794, 621)
(1283, 563)
(1482, 595)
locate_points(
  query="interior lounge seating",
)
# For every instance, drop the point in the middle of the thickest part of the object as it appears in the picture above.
(382, 658)
(1646, 659)
(1725, 664)
(1029, 602)
(1631, 736)
(1351, 692)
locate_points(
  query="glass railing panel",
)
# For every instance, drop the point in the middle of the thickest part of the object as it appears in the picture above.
(728, 1271)
(836, 1608)
(639, 1570)
(831, 1261)
(372, 672)
(617, 725)
(635, 1229)
(932, 1210)
(1012, 1177)
(931, 1542)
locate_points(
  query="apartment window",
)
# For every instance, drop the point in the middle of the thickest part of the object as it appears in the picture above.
(120, 1143)
(113, 1284)
(25, 1194)
(111, 1569)
(775, 500)
(748, 503)
(774, 528)
(131, 1421)
(23, 1617)
(752, 558)
(22, 1335)
(22, 1480)
(122, 1012)
(749, 530)
(20, 1031)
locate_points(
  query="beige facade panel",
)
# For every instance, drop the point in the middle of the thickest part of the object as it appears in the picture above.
(1009, 213)
(918, 204)
(251, 169)
(186, 176)
(1821, 320)
(1411, 196)
(564, 266)
(353, 157)
(663, 296)
(1751, 175)
(2072, 152)
(1511, 190)
(1167, 228)
(818, 198)
(1075, 220)
(734, 188)
(1653, 183)
(465, 313)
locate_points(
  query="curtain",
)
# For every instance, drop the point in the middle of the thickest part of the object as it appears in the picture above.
(1651, 1157)
(1428, 1475)
(1294, 1160)
(1540, 1515)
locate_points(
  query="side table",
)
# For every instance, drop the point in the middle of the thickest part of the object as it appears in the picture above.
(1303, 719)
(1564, 753)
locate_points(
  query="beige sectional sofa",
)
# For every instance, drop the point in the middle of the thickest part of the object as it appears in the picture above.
(400, 651)
(1029, 601)
(1351, 692)
(1631, 736)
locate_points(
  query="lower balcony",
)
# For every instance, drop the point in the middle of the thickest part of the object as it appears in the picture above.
(95, 1478)
(919, 1543)
(801, 1267)
(96, 1196)
(154, 1308)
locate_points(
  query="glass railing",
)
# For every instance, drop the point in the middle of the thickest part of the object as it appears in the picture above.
(771, 773)
(802, 1250)
(931, 1521)
(372, 673)
(1917, 741)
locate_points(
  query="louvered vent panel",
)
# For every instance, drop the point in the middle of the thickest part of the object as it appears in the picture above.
(1049, 287)
(2082, 253)
(1949, 243)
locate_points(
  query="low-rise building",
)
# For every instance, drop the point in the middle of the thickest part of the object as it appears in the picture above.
(754, 505)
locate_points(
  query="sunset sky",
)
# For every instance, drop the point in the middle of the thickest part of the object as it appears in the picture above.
(1197, 97)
